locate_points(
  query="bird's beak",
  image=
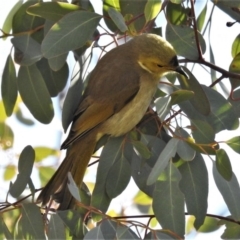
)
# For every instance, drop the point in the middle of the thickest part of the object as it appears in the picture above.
(179, 70)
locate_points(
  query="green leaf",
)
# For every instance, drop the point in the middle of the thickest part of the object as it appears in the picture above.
(210, 225)
(152, 9)
(232, 231)
(6, 136)
(117, 19)
(168, 201)
(108, 229)
(10, 172)
(34, 93)
(44, 152)
(7, 25)
(201, 18)
(61, 39)
(118, 176)
(22, 119)
(158, 235)
(124, 232)
(184, 151)
(141, 149)
(55, 80)
(58, 62)
(168, 152)
(25, 165)
(222, 115)
(223, 164)
(183, 40)
(9, 86)
(163, 106)
(234, 143)
(56, 228)
(176, 14)
(27, 50)
(202, 131)
(181, 95)
(235, 102)
(194, 185)
(199, 100)
(142, 199)
(52, 10)
(230, 192)
(212, 60)
(4, 232)
(72, 187)
(235, 68)
(236, 46)
(45, 173)
(94, 233)
(32, 223)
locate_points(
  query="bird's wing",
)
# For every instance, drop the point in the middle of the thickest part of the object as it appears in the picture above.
(92, 111)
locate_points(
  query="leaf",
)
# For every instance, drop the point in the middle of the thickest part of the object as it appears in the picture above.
(45, 173)
(6, 136)
(55, 80)
(72, 187)
(61, 39)
(232, 231)
(58, 62)
(141, 149)
(235, 102)
(22, 119)
(94, 233)
(210, 225)
(118, 176)
(163, 106)
(181, 95)
(168, 201)
(32, 223)
(236, 46)
(235, 68)
(117, 19)
(202, 131)
(159, 235)
(168, 152)
(194, 185)
(183, 40)
(27, 50)
(25, 165)
(56, 228)
(152, 9)
(34, 93)
(234, 143)
(201, 18)
(108, 229)
(223, 164)
(230, 192)
(44, 152)
(222, 115)
(184, 150)
(124, 232)
(9, 86)
(10, 172)
(176, 14)
(52, 10)
(199, 101)
(142, 199)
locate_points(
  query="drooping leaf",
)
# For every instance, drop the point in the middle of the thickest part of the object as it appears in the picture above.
(72, 187)
(6, 136)
(168, 201)
(118, 19)
(234, 143)
(55, 80)
(223, 164)
(176, 14)
(32, 223)
(235, 68)
(199, 100)
(194, 185)
(152, 9)
(61, 39)
(27, 50)
(9, 86)
(230, 192)
(168, 152)
(56, 228)
(52, 10)
(183, 40)
(34, 93)
(57, 63)
(25, 166)
(236, 46)
(201, 18)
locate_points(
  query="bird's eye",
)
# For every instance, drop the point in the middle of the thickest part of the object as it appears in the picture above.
(159, 65)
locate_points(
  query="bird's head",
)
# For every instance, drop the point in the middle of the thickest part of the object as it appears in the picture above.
(156, 55)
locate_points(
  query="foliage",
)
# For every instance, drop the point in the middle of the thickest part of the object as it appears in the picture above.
(167, 152)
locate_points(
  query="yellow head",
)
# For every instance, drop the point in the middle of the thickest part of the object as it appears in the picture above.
(155, 54)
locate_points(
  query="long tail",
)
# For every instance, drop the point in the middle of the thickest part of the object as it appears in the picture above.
(76, 162)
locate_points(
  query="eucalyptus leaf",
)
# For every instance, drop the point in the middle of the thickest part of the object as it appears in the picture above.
(152, 9)
(234, 143)
(118, 19)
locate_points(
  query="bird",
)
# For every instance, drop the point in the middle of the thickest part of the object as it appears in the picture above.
(119, 92)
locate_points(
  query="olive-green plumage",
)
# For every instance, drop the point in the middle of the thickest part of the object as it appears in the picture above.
(117, 96)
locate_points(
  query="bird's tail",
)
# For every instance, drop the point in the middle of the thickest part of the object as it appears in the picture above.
(76, 162)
